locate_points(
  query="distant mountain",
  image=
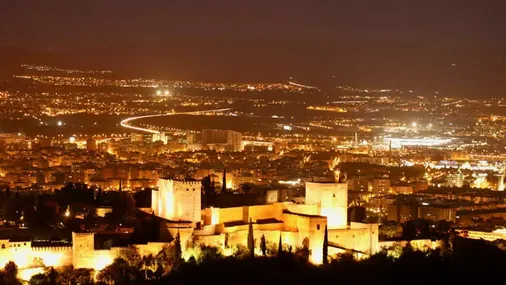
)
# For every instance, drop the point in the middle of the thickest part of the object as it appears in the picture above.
(11, 59)
(462, 71)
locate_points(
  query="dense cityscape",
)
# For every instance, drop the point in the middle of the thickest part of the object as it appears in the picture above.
(110, 175)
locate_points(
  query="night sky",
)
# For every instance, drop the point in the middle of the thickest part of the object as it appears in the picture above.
(110, 22)
(364, 42)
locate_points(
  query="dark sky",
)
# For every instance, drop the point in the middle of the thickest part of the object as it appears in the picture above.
(68, 23)
(452, 45)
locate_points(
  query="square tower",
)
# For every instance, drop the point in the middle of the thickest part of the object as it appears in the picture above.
(177, 200)
(332, 200)
(83, 250)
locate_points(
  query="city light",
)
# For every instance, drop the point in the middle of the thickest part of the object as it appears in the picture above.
(164, 171)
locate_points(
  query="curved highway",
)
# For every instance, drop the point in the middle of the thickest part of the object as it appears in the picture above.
(126, 122)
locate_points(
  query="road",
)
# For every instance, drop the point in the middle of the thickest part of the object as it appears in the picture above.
(126, 122)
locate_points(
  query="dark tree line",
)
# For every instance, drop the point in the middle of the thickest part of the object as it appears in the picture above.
(464, 262)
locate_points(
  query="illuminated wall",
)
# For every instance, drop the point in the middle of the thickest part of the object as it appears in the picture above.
(177, 200)
(332, 198)
(26, 256)
(360, 237)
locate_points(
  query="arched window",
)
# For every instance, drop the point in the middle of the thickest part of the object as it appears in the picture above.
(3, 246)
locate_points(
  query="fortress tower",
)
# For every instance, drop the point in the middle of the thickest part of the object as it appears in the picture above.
(177, 200)
(83, 250)
(332, 201)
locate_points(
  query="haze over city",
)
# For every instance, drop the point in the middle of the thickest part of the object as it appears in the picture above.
(456, 46)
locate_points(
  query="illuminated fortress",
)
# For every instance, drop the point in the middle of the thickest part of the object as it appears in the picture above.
(179, 203)
(298, 224)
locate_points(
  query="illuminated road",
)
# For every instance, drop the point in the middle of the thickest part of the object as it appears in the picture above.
(303, 86)
(126, 122)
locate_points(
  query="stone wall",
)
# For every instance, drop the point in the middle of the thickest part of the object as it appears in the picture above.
(26, 257)
(360, 237)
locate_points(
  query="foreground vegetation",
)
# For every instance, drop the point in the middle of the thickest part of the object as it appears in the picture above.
(462, 262)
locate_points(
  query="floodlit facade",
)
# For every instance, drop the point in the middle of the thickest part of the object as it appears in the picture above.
(331, 199)
(177, 200)
(32, 260)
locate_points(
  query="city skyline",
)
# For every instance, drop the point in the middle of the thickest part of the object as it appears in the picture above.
(252, 142)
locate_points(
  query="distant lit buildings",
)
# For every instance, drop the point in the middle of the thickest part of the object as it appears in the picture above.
(91, 144)
(456, 179)
(160, 137)
(380, 185)
(222, 139)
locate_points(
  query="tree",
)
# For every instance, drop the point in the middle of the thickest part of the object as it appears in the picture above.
(82, 276)
(39, 279)
(209, 253)
(10, 274)
(148, 266)
(390, 230)
(131, 255)
(71, 276)
(326, 246)
(178, 253)
(304, 252)
(263, 246)
(280, 246)
(51, 276)
(164, 260)
(119, 273)
(224, 181)
(208, 186)
(251, 240)
(246, 188)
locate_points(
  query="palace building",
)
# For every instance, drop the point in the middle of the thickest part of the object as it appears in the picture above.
(326, 205)
(178, 204)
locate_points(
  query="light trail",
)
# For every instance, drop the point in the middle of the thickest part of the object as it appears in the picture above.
(125, 122)
(303, 86)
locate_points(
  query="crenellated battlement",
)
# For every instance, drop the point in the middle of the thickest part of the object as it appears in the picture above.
(52, 248)
(82, 234)
(189, 181)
